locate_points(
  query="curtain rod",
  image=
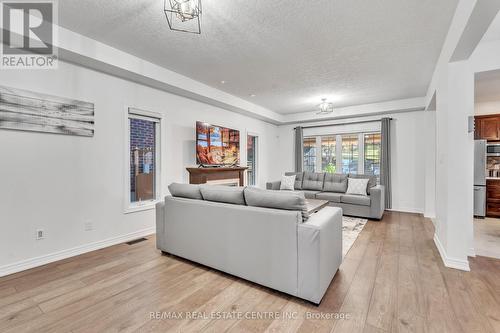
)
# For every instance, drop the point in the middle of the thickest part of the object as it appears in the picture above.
(351, 123)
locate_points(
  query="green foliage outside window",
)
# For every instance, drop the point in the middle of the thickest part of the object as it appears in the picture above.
(330, 168)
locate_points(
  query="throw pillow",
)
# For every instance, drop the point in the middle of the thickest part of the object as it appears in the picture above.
(287, 182)
(372, 180)
(357, 186)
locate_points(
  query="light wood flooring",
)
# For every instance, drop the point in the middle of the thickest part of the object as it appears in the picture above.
(392, 280)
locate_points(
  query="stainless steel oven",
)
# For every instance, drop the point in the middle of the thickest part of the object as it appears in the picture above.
(493, 149)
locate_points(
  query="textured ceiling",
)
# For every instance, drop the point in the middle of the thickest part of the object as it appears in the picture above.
(289, 54)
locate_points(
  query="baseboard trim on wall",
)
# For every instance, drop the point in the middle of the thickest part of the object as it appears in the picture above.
(406, 210)
(431, 216)
(471, 252)
(52, 257)
(450, 262)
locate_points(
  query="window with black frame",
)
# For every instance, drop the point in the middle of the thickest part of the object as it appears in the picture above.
(372, 153)
(328, 154)
(310, 154)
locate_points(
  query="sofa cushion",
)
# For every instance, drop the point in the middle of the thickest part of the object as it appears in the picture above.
(310, 194)
(226, 194)
(357, 186)
(190, 191)
(361, 200)
(287, 200)
(298, 179)
(287, 182)
(335, 182)
(372, 180)
(330, 196)
(313, 181)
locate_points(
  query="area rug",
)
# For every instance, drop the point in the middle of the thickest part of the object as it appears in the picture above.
(351, 227)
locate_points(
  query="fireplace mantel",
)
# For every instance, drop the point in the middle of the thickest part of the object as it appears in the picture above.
(207, 175)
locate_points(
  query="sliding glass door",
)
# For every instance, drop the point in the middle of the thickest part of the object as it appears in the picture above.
(310, 154)
(328, 154)
(372, 154)
(350, 153)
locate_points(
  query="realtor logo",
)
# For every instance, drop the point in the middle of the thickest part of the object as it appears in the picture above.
(28, 34)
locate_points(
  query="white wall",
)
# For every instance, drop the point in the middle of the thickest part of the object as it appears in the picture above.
(57, 182)
(408, 131)
(430, 165)
(485, 108)
(454, 170)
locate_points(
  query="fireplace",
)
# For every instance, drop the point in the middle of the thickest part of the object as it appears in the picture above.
(217, 176)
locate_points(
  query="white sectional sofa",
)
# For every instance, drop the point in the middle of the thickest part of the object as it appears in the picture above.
(277, 246)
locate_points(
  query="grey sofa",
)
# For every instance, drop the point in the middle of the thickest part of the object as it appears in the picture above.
(232, 229)
(332, 187)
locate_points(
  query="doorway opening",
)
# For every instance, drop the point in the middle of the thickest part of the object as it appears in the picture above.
(487, 164)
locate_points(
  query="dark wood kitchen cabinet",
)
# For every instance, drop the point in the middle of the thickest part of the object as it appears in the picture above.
(493, 197)
(487, 127)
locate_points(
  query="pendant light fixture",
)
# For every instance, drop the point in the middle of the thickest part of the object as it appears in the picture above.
(325, 107)
(183, 15)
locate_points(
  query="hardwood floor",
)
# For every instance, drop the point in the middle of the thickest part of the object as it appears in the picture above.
(392, 280)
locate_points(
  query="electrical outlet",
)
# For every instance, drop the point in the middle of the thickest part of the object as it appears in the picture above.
(88, 226)
(40, 234)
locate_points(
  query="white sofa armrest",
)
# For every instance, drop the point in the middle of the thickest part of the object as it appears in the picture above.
(319, 252)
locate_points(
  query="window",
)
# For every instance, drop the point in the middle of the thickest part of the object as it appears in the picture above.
(310, 154)
(252, 160)
(372, 154)
(143, 158)
(343, 153)
(350, 153)
(328, 160)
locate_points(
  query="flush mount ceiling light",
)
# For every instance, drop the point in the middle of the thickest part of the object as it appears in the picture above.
(183, 15)
(325, 107)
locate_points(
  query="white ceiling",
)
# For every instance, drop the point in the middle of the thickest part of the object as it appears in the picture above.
(493, 32)
(289, 54)
(487, 87)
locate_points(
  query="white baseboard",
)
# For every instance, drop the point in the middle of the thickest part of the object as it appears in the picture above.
(406, 210)
(431, 216)
(471, 252)
(48, 258)
(450, 262)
